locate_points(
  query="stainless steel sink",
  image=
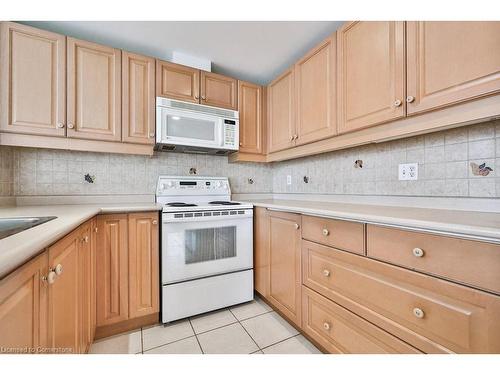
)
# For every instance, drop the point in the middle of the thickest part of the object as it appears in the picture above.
(13, 225)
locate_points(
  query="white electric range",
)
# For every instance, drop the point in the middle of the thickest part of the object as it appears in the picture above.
(206, 246)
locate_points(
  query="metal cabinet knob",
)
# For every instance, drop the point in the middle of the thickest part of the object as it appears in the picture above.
(418, 252)
(203, 97)
(419, 313)
(326, 273)
(326, 232)
(397, 103)
(51, 277)
(95, 229)
(292, 138)
(410, 99)
(59, 269)
(151, 135)
(241, 143)
(196, 97)
(85, 239)
(70, 126)
(60, 125)
(326, 326)
(297, 226)
(155, 222)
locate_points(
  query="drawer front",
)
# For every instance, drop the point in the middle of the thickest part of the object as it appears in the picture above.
(340, 331)
(431, 314)
(344, 235)
(470, 262)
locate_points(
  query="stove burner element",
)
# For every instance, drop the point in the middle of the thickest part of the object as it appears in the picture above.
(225, 203)
(181, 204)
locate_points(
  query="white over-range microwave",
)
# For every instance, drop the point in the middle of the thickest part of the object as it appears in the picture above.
(196, 128)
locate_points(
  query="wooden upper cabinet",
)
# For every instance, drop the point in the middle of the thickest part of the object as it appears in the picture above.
(94, 91)
(23, 306)
(281, 122)
(144, 260)
(284, 264)
(64, 294)
(112, 269)
(370, 74)
(251, 117)
(219, 91)
(32, 80)
(450, 62)
(138, 98)
(315, 93)
(177, 81)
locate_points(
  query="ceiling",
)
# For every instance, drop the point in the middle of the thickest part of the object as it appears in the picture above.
(254, 51)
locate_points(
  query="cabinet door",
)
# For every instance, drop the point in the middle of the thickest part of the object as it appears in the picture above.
(93, 277)
(177, 81)
(219, 91)
(250, 111)
(371, 74)
(280, 94)
(32, 80)
(112, 269)
(23, 306)
(284, 264)
(94, 91)
(64, 295)
(144, 281)
(138, 99)
(451, 62)
(261, 251)
(315, 93)
(85, 288)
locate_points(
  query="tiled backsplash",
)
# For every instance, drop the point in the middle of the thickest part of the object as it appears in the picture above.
(54, 172)
(443, 158)
(443, 166)
(6, 171)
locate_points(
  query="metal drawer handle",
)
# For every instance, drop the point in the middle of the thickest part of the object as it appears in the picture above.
(419, 313)
(326, 273)
(326, 232)
(418, 252)
(326, 326)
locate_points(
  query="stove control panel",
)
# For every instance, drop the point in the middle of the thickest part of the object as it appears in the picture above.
(190, 185)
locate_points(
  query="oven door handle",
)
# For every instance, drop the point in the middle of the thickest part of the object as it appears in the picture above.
(205, 219)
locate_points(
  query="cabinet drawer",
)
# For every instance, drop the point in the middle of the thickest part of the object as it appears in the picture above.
(344, 235)
(471, 262)
(430, 314)
(341, 331)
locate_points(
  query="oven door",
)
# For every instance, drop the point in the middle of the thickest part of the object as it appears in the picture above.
(188, 129)
(206, 247)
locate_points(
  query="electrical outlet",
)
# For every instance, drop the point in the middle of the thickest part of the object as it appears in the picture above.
(408, 171)
(288, 179)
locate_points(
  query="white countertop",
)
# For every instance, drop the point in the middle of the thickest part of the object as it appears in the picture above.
(480, 225)
(19, 248)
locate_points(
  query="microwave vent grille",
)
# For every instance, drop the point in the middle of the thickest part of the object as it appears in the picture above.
(199, 108)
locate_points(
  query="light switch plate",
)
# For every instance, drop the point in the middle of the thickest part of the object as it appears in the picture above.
(408, 171)
(288, 179)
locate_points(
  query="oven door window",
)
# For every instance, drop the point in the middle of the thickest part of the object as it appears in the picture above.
(208, 244)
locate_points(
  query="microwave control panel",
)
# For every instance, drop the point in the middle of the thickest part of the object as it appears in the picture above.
(230, 133)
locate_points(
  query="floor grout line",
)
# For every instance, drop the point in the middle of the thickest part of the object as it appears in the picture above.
(245, 330)
(196, 336)
(264, 313)
(278, 342)
(168, 343)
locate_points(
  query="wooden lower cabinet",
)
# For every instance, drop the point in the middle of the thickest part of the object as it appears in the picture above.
(340, 331)
(112, 269)
(284, 264)
(64, 295)
(127, 268)
(144, 260)
(23, 308)
(261, 251)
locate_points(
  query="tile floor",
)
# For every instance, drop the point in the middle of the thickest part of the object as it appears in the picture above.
(251, 327)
